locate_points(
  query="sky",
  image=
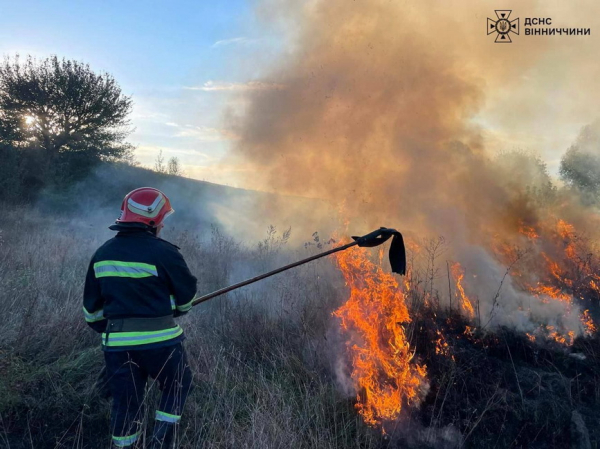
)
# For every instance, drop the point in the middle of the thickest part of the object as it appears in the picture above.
(179, 60)
(188, 64)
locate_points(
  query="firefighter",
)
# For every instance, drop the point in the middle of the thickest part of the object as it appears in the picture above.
(136, 285)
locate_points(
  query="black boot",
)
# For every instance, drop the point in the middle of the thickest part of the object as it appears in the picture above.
(162, 437)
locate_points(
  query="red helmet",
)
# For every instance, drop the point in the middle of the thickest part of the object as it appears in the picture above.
(145, 205)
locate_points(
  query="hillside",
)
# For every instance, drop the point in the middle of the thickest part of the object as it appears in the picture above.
(198, 204)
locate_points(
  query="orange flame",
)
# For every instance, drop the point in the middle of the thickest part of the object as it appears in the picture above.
(567, 232)
(465, 302)
(594, 286)
(588, 324)
(528, 232)
(550, 291)
(441, 345)
(530, 337)
(563, 339)
(556, 271)
(375, 316)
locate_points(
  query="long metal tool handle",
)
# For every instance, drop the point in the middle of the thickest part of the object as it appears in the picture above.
(222, 291)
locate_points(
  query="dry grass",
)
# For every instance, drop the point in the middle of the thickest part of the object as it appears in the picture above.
(263, 374)
(264, 356)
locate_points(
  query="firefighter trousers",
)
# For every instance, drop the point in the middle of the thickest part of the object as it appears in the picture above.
(127, 375)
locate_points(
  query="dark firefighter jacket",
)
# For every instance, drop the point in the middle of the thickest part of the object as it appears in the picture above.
(137, 275)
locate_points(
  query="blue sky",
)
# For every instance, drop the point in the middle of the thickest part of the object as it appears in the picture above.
(182, 61)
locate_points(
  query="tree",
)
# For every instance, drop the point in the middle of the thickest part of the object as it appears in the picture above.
(62, 117)
(159, 163)
(174, 167)
(524, 173)
(580, 170)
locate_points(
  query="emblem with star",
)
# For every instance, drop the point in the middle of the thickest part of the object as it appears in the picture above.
(503, 26)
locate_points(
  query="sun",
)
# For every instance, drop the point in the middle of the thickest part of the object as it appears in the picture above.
(29, 120)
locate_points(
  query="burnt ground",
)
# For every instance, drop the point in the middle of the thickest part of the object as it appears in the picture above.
(502, 390)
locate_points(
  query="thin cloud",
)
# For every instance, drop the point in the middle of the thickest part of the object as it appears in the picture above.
(233, 41)
(212, 86)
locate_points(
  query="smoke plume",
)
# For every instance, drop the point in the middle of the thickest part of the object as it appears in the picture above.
(382, 111)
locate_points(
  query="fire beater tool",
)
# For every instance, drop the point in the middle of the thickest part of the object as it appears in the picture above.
(397, 257)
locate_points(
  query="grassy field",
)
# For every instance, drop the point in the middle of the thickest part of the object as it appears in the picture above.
(265, 357)
(261, 356)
